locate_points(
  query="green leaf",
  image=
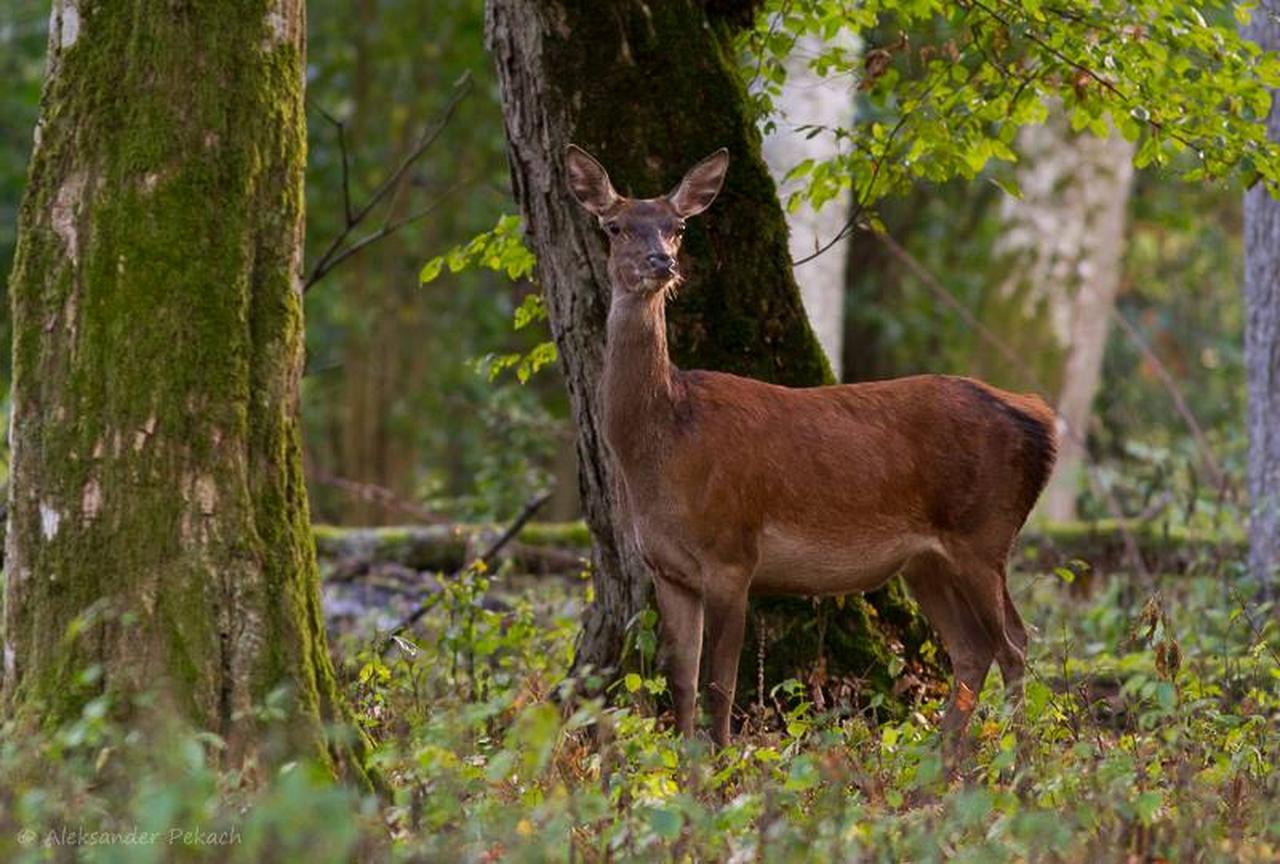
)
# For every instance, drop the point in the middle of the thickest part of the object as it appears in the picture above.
(1148, 805)
(666, 823)
(430, 270)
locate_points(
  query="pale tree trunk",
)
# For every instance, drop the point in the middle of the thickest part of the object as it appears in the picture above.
(1262, 339)
(158, 527)
(1064, 247)
(809, 99)
(650, 89)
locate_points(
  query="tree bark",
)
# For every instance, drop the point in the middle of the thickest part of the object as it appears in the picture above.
(158, 524)
(1063, 246)
(649, 89)
(1262, 339)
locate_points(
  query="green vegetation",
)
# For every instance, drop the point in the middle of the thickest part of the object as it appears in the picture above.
(434, 405)
(1150, 731)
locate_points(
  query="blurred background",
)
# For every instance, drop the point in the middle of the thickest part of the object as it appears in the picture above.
(405, 422)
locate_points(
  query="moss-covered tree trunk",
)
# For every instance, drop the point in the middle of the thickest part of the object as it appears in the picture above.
(650, 88)
(158, 528)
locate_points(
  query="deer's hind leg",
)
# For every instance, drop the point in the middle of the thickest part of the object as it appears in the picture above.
(933, 583)
(1016, 633)
(982, 582)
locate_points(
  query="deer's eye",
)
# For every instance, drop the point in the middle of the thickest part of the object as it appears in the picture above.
(613, 229)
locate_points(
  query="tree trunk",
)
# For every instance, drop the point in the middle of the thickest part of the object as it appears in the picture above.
(1262, 339)
(158, 531)
(809, 99)
(1063, 245)
(649, 89)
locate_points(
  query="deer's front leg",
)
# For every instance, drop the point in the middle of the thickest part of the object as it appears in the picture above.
(681, 610)
(726, 620)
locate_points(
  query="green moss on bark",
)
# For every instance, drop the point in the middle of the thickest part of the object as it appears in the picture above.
(847, 647)
(157, 350)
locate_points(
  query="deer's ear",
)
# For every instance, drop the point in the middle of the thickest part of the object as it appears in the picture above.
(589, 182)
(701, 185)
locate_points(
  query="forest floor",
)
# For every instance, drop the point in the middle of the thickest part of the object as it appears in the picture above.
(1150, 733)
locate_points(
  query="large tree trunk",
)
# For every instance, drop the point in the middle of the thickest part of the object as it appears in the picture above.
(1063, 244)
(649, 88)
(158, 524)
(809, 99)
(1262, 339)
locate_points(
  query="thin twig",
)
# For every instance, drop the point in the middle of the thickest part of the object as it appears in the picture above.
(342, 149)
(372, 492)
(390, 228)
(334, 253)
(1220, 479)
(863, 199)
(346, 174)
(486, 558)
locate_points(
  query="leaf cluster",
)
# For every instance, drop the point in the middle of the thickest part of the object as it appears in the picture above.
(944, 87)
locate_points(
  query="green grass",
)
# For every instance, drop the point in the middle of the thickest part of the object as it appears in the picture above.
(1150, 733)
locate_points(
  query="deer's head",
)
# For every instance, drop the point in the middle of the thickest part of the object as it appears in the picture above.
(644, 233)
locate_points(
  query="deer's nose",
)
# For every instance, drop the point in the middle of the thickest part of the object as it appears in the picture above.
(662, 262)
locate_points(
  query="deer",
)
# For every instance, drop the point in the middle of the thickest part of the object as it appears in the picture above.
(732, 487)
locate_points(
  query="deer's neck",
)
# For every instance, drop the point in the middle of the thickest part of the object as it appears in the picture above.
(640, 387)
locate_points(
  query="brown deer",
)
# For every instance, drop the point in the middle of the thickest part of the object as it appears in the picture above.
(733, 486)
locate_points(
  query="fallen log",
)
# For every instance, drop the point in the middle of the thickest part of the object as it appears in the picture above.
(1099, 547)
(539, 549)
(547, 548)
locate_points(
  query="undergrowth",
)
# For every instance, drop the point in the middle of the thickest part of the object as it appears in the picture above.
(1150, 733)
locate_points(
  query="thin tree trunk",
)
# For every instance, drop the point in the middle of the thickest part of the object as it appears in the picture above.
(808, 99)
(649, 88)
(1064, 245)
(1262, 339)
(358, 409)
(158, 525)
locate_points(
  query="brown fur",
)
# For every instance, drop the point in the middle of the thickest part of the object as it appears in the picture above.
(734, 486)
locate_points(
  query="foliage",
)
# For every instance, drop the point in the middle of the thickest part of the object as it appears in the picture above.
(1150, 731)
(391, 398)
(501, 250)
(1176, 77)
(23, 26)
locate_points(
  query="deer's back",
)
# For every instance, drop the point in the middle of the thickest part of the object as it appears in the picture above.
(860, 476)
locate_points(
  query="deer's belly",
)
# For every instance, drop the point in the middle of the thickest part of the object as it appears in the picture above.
(794, 561)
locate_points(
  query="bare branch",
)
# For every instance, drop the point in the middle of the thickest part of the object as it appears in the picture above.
(485, 558)
(342, 148)
(373, 493)
(346, 176)
(335, 252)
(325, 267)
(1220, 480)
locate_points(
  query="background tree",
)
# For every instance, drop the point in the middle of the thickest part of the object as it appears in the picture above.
(399, 422)
(1061, 250)
(158, 527)
(1262, 337)
(808, 108)
(645, 89)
